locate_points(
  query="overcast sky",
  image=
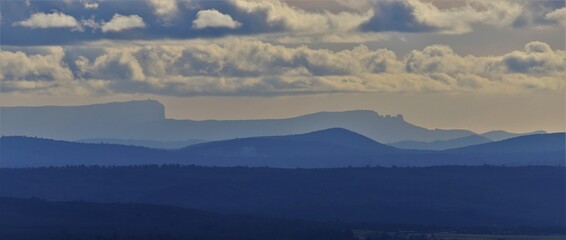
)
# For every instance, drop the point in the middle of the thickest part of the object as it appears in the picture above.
(477, 65)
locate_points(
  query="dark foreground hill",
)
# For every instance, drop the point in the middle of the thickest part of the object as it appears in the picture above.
(461, 196)
(321, 149)
(34, 219)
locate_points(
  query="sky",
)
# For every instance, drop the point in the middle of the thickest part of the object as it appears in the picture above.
(477, 65)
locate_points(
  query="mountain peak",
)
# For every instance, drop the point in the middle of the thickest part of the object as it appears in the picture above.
(359, 114)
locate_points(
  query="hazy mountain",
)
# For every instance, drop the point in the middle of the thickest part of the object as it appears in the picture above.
(144, 143)
(552, 142)
(110, 120)
(449, 195)
(335, 147)
(328, 142)
(502, 135)
(319, 149)
(146, 120)
(32, 219)
(30, 152)
(442, 144)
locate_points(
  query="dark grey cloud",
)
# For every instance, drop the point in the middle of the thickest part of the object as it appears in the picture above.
(395, 16)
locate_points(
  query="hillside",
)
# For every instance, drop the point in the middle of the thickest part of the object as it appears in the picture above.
(499, 135)
(462, 196)
(32, 152)
(20, 219)
(552, 142)
(144, 143)
(334, 147)
(442, 144)
(320, 149)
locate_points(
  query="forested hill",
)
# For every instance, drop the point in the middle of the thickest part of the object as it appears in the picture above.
(20, 219)
(530, 196)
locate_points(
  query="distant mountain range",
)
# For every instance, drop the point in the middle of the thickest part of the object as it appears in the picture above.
(334, 147)
(144, 123)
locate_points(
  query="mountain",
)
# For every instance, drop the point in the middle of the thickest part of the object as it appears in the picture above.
(144, 143)
(442, 144)
(80, 122)
(552, 142)
(146, 120)
(320, 149)
(27, 219)
(32, 152)
(502, 135)
(335, 147)
(447, 195)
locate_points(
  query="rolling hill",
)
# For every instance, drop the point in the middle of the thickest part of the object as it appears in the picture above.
(551, 142)
(442, 144)
(320, 149)
(144, 143)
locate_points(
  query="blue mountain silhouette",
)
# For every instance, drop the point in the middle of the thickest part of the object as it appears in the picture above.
(320, 149)
(146, 120)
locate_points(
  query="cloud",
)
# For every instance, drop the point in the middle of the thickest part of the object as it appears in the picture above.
(114, 65)
(420, 16)
(165, 9)
(90, 5)
(214, 19)
(557, 16)
(49, 20)
(278, 21)
(121, 22)
(237, 67)
(538, 58)
(294, 19)
(47, 66)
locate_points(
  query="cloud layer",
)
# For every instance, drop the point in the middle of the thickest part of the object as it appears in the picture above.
(236, 67)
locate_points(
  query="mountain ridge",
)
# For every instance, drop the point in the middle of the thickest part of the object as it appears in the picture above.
(319, 149)
(146, 120)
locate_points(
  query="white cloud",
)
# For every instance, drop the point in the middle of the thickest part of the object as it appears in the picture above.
(45, 66)
(114, 65)
(214, 19)
(421, 16)
(165, 9)
(49, 20)
(558, 16)
(90, 5)
(121, 22)
(300, 20)
(538, 58)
